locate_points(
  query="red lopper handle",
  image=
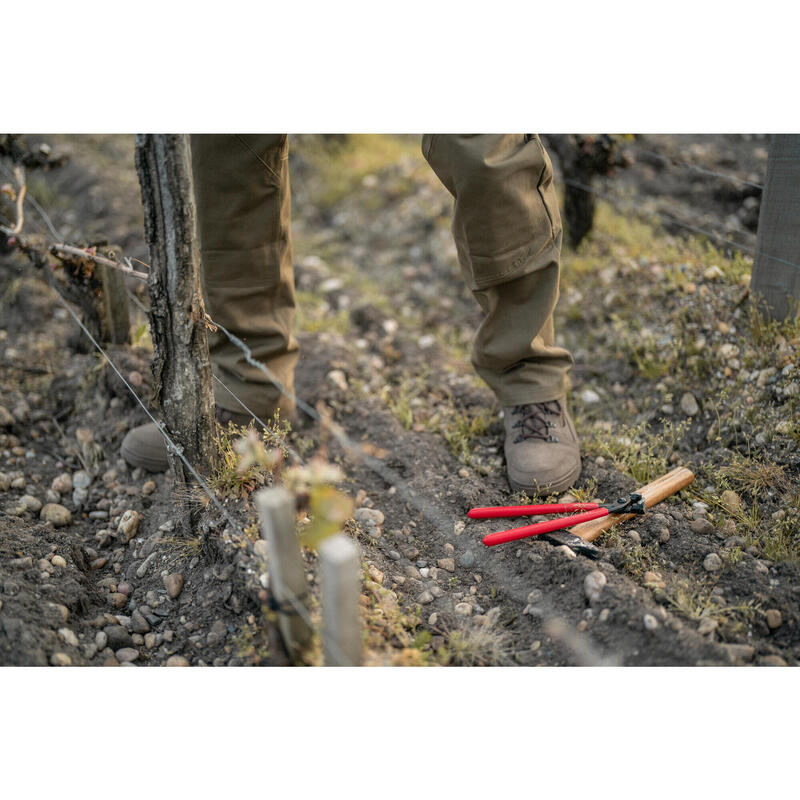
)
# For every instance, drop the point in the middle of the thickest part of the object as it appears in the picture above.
(547, 526)
(493, 512)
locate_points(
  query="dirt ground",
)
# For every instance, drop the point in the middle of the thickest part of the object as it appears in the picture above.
(672, 367)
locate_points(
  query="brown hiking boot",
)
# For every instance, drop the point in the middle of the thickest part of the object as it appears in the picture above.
(145, 447)
(542, 449)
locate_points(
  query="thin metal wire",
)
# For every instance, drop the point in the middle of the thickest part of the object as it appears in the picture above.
(693, 167)
(174, 447)
(281, 442)
(620, 202)
(301, 610)
(404, 489)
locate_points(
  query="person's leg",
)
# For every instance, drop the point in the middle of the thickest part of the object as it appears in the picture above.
(507, 231)
(243, 218)
(242, 195)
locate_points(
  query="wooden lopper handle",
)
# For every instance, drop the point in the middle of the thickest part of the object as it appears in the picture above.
(653, 493)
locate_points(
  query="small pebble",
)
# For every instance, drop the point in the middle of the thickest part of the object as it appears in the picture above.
(177, 661)
(60, 660)
(712, 563)
(126, 654)
(463, 609)
(447, 564)
(62, 484)
(689, 404)
(425, 598)
(707, 626)
(364, 514)
(68, 636)
(593, 585)
(128, 524)
(467, 559)
(58, 561)
(31, 503)
(148, 487)
(702, 526)
(650, 622)
(774, 618)
(56, 514)
(772, 661)
(173, 583)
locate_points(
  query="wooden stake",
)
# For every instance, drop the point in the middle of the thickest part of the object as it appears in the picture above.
(287, 575)
(775, 281)
(181, 366)
(341, 619)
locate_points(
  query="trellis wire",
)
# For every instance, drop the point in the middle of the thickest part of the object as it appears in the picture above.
(298, 607)
(693, 167)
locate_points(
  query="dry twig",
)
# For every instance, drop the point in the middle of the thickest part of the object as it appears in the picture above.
(22, 188)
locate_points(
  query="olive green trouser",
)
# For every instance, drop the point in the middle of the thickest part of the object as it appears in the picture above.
(506, 227)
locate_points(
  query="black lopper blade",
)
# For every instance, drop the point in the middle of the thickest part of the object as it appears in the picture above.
(575, 542)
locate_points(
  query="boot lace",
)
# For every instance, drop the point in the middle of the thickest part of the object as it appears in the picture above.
(533, 423)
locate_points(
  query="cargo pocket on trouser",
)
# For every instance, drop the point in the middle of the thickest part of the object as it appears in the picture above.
(505, 220)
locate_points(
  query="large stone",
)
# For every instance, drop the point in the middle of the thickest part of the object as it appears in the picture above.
(117, 637)
(56, 514)
(128, 524)
(173, 583)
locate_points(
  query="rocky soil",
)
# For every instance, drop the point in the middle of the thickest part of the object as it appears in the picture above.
(96, 563)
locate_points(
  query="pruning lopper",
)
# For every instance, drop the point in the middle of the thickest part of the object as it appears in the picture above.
(633, 504)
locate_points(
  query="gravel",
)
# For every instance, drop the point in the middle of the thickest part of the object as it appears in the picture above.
(712, 563)
(593, 585)
(56, 514)
(173, 583)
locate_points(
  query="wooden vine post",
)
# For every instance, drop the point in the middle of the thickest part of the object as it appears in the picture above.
(776, 271)
(181, 367)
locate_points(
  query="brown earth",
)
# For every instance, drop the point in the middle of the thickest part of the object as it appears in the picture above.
(381, 301)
